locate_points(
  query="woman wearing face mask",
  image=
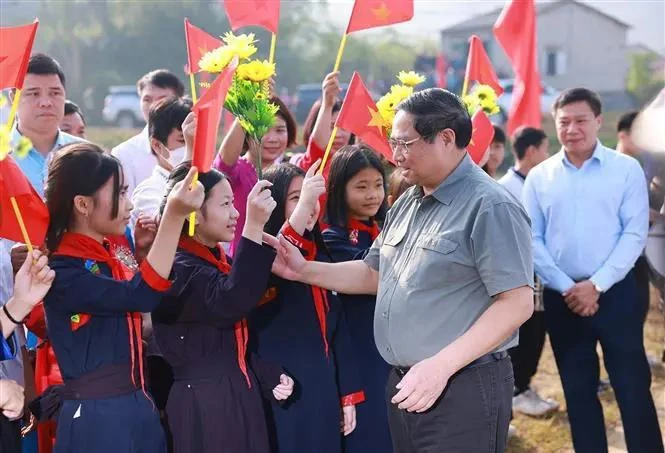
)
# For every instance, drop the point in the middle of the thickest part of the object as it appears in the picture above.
(241, 171)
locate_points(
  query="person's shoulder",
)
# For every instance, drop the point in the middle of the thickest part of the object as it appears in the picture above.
(619, 159)
(128, 147)
(68, 139)
(149, 187)
(507, 178)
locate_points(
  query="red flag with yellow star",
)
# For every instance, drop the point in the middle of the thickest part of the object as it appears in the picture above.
(377, 13)
(479, 67)
(481, 136)
(360, 116)
(199, 43)
(15, 48)
(264, 13)
(208, 115)
(14, 184)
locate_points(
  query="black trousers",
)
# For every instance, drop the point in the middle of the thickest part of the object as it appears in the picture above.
(472, 414)
(526, 355)
(641, 271)
(618, 326)
(10, 435)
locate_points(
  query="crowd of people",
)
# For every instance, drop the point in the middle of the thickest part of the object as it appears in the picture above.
(350, 308)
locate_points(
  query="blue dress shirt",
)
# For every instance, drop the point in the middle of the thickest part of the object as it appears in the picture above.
(587, 223)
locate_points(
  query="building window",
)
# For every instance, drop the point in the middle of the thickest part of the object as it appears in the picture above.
(555, 62)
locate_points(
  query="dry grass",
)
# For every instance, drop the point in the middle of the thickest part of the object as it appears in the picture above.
(552, 434)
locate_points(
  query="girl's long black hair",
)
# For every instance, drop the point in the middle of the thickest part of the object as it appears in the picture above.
(345, 164)
(77, 169)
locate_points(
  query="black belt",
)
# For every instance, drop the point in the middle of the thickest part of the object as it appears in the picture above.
(487, 358)
(106, 382)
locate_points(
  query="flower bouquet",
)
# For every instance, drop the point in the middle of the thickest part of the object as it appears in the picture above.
(388, 103)
(248, 98)
(482, 97)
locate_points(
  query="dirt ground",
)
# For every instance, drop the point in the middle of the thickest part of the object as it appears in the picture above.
(552, 434)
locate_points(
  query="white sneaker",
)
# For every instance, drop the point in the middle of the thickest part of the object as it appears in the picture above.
(529, 403)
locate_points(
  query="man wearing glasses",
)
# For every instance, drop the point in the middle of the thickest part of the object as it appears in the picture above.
(453, 274)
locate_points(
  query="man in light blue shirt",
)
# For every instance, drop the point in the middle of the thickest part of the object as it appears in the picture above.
(589, 213)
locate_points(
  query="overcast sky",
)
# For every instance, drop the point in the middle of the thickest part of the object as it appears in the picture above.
(647, 17)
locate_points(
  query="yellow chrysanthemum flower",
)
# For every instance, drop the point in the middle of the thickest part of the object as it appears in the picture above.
(241, 45)
(386, 107)
(256, 70)
(485, 92)
(471, 103)
(485, 98)
(401, 92)
(216, 60)
(410, 78)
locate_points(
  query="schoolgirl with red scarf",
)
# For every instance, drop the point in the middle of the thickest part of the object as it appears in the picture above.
(356, 201)
(304, 329)
(94, 305)
(215, 403)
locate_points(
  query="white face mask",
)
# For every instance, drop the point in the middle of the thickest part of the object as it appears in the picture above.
(177, 155)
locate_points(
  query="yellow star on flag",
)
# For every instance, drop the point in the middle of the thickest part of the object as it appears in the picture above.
(377, 120)
(382, 12)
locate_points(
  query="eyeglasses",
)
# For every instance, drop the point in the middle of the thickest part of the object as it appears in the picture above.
(397, 144)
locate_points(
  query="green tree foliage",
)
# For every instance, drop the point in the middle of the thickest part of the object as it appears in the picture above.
(644, 80)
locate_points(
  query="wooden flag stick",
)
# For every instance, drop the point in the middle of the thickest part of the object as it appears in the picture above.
(328, 148)
(273, 45)
(12, 112)
(19, 218)
(192, 215)
(465, 85)
(192, 84)
(339, 53)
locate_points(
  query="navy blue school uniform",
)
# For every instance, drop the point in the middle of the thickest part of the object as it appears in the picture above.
(372, 433)
(215, 403)
(93, 321)
(311, 341)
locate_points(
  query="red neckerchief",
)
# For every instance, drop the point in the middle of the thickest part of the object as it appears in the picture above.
(84, 247)
(320, 295)
(355, 226)
(240, 328)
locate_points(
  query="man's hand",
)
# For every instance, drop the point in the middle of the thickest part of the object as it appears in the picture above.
(423, 384)
(582, 298)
